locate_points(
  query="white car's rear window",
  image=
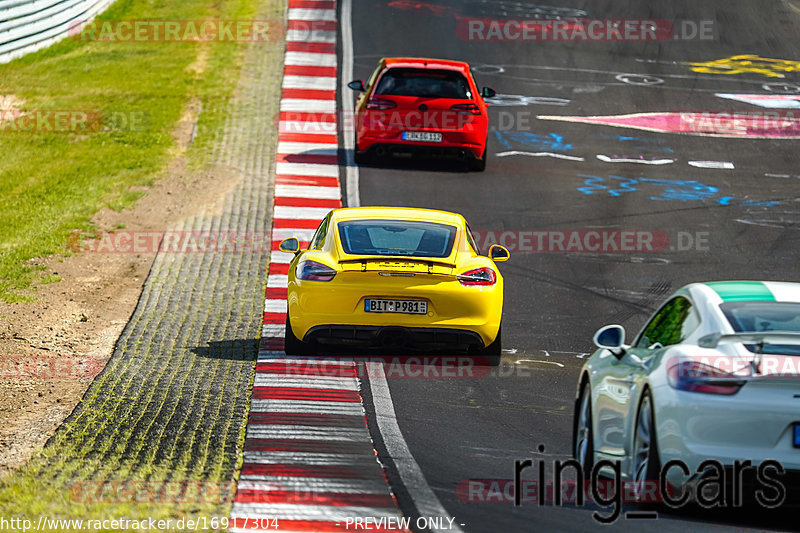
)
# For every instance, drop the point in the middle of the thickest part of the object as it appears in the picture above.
(760, 317)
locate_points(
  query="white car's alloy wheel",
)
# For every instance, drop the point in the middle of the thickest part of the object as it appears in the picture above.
(584, 450)
(642, 445)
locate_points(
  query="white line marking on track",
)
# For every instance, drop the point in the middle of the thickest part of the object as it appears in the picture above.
(325, 83)
(288, 511)
(771, 101)
(351, 170)
(540, 154)
(275, 306)
(727, 165)
(308, 169)
(765, 224)
(307, 127)
(305, 382)
(281, 257)
(319, 361)
(607, 159)
(273, 331)
(308, 104)
(308, 191)
(518, 361)
(262, 405)
(309, 59)
(298, 13)
(286, 147)
(316, 484)
(277, 280)
(316, 36)
(304, 234)
(300, 213)
(425, 500)
(255, 431)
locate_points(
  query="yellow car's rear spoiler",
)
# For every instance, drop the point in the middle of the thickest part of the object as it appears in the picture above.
(399, 264)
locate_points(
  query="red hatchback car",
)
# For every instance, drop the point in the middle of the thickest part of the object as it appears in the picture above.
(421, 106)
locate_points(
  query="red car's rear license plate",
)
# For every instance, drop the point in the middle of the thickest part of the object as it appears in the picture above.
(424, 136)
(412, 307)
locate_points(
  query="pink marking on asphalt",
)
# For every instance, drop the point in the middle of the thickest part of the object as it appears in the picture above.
(711, 124)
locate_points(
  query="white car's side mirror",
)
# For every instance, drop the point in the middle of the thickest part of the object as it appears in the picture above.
(611, 337)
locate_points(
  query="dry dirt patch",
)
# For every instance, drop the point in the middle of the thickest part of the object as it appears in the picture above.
(50, 349)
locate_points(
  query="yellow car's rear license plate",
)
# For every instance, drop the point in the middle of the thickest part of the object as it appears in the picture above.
(413, 307)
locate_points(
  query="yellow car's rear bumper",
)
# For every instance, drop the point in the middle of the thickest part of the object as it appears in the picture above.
(341, 301)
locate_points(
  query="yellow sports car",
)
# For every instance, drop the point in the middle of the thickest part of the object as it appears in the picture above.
(396, 278)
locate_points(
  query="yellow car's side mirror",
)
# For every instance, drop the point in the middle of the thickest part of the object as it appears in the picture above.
(290, 245)
(498, 253)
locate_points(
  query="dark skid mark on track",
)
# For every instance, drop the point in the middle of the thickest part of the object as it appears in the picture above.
(535, 275)
(650, 300)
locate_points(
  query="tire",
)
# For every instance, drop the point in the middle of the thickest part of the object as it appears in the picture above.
(583, 437)
(479, 165)
(291, 344)
(360, 158)
(645, 460)
(494, 351)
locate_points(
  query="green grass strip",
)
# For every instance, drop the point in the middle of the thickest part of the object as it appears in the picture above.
(53, 182)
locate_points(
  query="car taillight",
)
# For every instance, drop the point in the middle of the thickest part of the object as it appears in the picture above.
(313, 271)
(381, 103)
(467, 109)
(478, 276)
(693, 376)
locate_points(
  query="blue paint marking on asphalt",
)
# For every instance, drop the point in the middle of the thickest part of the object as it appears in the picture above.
(525, 140)
(680, 190)
(644, 142)
(595, 184)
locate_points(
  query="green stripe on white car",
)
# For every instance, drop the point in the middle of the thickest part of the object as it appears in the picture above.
(741, 291)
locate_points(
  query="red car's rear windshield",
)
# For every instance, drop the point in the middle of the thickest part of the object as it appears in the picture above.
(396, 237)
(430, 83)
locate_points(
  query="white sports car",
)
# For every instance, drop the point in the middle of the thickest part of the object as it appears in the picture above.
(714, 376)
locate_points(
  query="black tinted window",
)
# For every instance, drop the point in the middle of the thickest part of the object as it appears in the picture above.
(424, 83)
(319, 236)
(395, 237)
(671, 325)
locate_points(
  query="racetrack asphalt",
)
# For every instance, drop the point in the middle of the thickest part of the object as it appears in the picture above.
(721, 223)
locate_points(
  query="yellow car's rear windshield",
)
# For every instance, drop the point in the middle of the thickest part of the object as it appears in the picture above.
(396, 237)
